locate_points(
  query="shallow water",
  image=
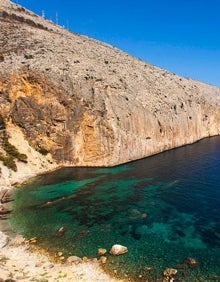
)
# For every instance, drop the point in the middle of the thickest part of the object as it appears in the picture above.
(164, 209)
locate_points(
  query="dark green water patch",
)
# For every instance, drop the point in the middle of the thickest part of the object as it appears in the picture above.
(165, 209)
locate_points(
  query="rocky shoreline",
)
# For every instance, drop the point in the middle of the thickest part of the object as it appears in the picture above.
(24, 260)
(20, 260)
(68, 100)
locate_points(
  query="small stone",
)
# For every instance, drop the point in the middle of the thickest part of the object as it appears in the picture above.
(103, 259)
(4, 239)
(118, 250)
(143, 215)
(62, 258)
(85, 259)
(32, 240)
(148, 269)
(74, 259)
(59, 254)
(102, 252)
(169, 272)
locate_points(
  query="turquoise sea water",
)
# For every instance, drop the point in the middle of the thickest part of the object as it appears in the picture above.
(165, 209)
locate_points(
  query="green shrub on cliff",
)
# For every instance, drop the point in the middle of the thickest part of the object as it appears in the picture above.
(9, 162)
(12, 151)
(43, 151)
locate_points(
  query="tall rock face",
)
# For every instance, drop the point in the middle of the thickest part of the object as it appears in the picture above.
(86, 103)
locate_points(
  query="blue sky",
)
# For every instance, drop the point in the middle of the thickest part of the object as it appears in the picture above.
(182, 36)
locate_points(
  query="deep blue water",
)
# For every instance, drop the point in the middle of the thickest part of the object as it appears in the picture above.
(164, 208)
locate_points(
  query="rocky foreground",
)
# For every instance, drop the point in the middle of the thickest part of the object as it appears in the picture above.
(18, 262)
(68, 100)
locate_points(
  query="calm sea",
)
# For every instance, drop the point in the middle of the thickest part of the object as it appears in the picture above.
(165, 209)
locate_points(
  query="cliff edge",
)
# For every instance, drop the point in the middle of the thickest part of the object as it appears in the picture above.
(66, 99)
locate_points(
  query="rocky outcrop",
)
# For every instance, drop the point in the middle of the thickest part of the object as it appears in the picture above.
(80, 102)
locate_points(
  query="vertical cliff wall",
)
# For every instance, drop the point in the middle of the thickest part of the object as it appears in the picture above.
(80, 102)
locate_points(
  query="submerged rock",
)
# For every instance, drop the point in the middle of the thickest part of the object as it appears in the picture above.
(134, 214)
(149, 269)
(182, 266)
(80, 235)
(191, 262)
(169, 272)
(60, 232)
(118, 250)
(143, 215)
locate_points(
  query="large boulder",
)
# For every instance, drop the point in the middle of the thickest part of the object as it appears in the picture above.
(118, 250)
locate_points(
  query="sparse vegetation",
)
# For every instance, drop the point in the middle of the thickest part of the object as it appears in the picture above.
(4, 259)
(43, 151)
(10, 153)
(28, 56)
(8, 161)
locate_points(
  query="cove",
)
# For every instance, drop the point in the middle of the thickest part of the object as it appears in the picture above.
(164, 209)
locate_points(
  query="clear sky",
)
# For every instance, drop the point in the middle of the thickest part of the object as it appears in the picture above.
(182, 36)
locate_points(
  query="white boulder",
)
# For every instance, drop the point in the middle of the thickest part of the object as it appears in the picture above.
(118, 250)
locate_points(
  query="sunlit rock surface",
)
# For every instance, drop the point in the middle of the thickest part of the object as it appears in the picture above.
(72, 100)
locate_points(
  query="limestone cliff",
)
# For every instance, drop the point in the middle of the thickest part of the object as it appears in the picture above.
(76, 101)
